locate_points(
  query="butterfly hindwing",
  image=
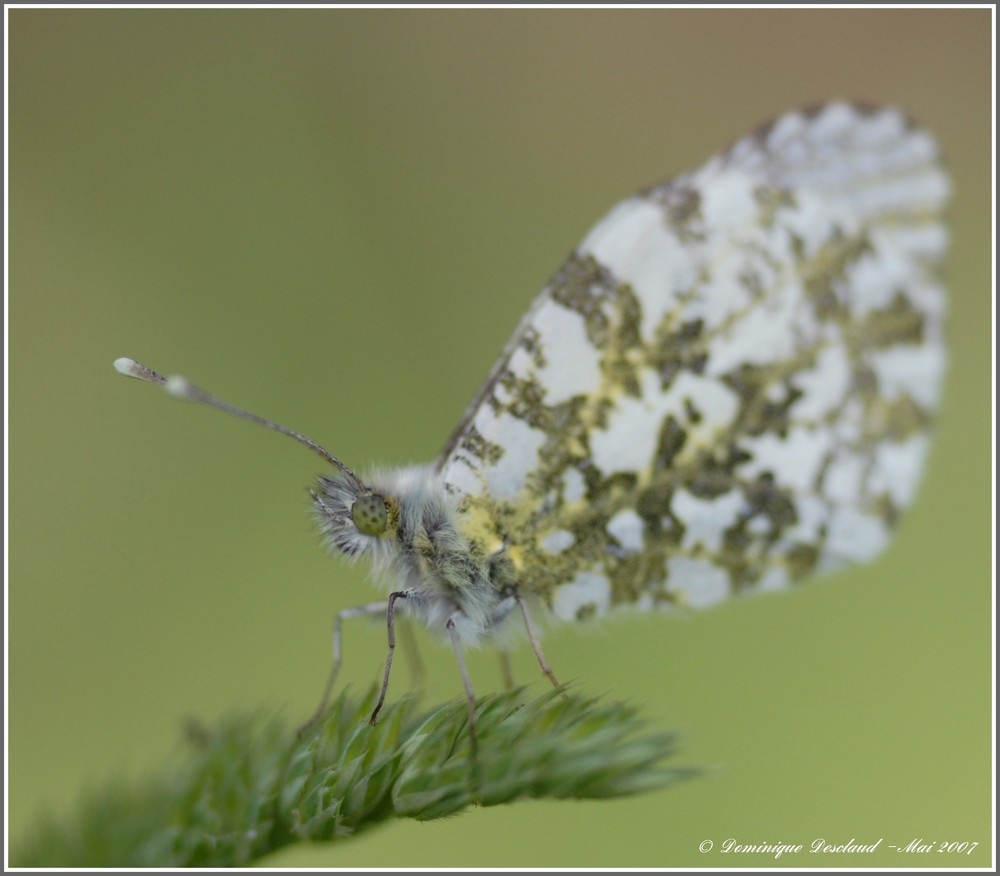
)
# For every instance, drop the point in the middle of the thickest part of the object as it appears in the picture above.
(729, 384)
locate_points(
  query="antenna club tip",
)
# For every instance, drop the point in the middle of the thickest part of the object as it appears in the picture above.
(127, 366)
(131, 368)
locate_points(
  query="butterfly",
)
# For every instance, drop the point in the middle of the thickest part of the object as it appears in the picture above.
(727, 387)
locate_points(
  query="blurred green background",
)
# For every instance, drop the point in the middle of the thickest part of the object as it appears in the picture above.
(336, 218)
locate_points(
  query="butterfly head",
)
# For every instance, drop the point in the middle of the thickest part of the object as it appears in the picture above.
(355, 517)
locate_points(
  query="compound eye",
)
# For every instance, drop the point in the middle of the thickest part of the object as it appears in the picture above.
(370, 515)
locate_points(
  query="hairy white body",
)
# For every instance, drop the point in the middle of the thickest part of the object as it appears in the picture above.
(423, 552)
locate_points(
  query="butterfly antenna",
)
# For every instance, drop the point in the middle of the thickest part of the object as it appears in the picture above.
(179, 387)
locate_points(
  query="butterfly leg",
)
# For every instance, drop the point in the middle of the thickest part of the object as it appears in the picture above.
(390, 616)
(505, 670)
(338, 618)
(470, 696)
(535, 644)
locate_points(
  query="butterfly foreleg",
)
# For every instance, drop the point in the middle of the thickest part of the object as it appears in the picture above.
(390, 617)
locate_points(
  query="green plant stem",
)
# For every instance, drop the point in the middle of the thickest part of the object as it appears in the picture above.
(249, 787)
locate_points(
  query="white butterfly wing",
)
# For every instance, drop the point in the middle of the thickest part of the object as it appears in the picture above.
(729, 384)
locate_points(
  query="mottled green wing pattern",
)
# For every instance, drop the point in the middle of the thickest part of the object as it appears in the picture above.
(729, 384)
